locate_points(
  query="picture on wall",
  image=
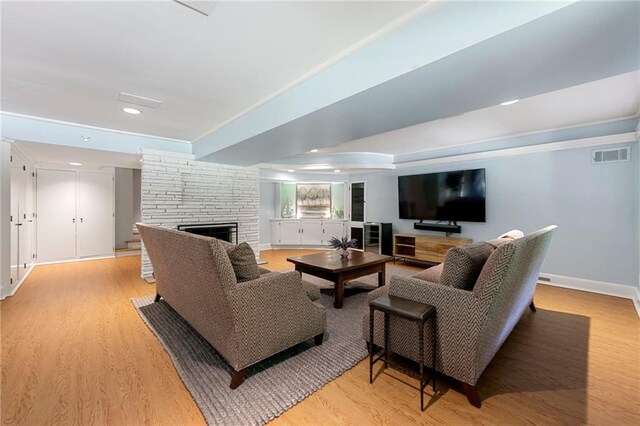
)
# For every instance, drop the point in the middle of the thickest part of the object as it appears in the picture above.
(313, 200)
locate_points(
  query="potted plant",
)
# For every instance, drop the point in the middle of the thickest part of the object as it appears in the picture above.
(343, 244)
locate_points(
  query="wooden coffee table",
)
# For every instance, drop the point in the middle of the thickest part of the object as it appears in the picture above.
(330, 266)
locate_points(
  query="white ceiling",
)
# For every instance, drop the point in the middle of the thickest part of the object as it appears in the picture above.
(608, 99)
(47, 154)
(69, 60)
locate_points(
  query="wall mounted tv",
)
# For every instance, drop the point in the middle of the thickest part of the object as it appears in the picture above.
(447, 196)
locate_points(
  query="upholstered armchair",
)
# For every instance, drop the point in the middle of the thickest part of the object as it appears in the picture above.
(474, 320)
(245, 322)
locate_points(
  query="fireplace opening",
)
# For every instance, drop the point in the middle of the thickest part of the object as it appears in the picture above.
(222, 231)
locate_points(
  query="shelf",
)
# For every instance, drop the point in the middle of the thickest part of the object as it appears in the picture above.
(425, 248)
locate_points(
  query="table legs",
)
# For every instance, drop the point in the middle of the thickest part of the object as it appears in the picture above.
(421, 343)
(381, 276)
(338, 292)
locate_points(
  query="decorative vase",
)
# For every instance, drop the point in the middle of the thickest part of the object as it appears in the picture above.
(345, 253)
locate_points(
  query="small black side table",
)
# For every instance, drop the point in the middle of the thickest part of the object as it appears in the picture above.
(413, 311)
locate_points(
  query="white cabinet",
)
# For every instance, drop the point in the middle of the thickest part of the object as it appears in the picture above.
(334, 229)
(275, 232)
(75, 214)
(311, 232)
(305, 232)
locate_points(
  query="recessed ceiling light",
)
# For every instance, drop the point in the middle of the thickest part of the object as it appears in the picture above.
(511, 102)
(336, 171)
(291, 170)
(314, 150)
(85, 138)
(131, 111)
(75, 164)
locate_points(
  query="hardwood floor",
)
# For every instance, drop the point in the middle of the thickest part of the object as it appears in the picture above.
(75, 351)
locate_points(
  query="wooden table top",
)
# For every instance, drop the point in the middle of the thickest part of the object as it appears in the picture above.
(331, 261)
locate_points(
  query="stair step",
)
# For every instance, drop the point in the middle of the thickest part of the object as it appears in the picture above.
(128, 252)
(134, 244)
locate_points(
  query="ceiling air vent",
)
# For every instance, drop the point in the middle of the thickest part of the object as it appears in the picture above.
(138, 100)
(614, 155)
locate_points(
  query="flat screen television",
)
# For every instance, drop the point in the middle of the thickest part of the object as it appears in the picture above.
(447, 196)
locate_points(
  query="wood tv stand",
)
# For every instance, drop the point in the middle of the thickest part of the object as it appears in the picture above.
(426, 248)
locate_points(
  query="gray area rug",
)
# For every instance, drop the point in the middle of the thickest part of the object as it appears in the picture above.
(271, 386)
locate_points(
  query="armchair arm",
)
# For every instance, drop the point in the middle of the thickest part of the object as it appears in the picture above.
(272, 313)
(458, 314)
(378, 292)
(263, 270)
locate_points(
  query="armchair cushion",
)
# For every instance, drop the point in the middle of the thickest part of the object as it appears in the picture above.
(462, 265)
(244, 263)
(432, 274)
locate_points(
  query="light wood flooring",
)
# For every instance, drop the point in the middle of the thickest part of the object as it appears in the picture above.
(74, 351)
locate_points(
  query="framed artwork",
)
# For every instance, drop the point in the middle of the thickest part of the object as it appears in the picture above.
(313, 200)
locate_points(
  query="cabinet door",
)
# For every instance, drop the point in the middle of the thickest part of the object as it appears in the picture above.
(275, 232)
(95, 214)
(332, 229)
(56, 203)
(290, 232)
(311, 232)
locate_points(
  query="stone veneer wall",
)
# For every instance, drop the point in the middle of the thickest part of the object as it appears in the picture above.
(177, 190)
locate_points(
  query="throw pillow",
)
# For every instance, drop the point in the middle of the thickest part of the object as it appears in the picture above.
(462, 265)
(513, 234)
(244, 262)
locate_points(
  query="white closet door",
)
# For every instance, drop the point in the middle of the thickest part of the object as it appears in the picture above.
(56, 203)
(95, 214)
(24, 230)
(14, 230)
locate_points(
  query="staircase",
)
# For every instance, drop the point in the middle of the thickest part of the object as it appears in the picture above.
(133, 246)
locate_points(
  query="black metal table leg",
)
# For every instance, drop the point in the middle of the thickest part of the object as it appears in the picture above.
(371, 345)
(386, 339)
(435, 344)
(421, 343)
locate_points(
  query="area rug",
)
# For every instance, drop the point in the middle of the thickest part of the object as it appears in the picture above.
(271, 386)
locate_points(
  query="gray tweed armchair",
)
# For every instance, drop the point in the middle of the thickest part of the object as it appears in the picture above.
(245, 322)
(472, 322)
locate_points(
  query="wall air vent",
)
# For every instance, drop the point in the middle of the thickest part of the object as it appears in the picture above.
(614, 155)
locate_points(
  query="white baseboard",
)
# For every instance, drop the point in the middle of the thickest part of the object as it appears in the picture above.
(297, 247)
(76, 260)
(592, 286)
(264, 246)
(23, 279)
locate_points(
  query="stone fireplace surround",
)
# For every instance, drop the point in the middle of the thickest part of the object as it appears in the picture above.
(178, 191)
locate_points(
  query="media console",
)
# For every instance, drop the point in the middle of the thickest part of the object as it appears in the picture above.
(425, 248)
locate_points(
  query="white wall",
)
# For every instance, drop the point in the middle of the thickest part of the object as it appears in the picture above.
(124, 206)
(594, 206)
(137, 193)
(177, 191)
(267, 209)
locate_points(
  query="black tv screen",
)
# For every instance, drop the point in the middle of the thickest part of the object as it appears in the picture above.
(447, 196)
